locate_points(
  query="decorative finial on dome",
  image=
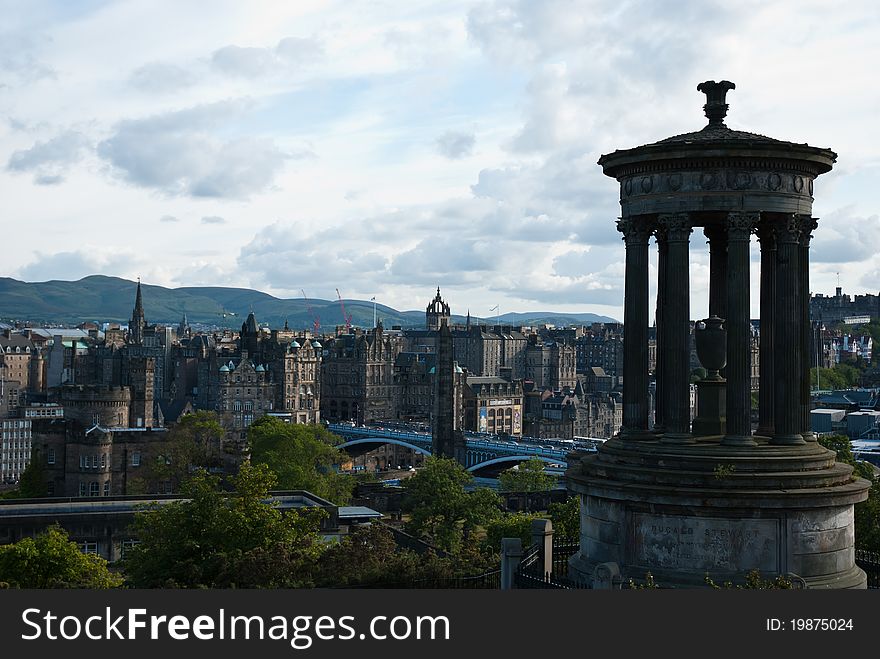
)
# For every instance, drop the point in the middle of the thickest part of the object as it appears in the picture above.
(716, 100)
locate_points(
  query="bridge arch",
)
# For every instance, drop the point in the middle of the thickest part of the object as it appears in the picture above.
(514, 459)
(382, 440)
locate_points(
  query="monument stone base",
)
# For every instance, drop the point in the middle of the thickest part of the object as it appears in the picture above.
(684, 512)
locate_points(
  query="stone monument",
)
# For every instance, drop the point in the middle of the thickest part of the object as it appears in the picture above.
(718, 498)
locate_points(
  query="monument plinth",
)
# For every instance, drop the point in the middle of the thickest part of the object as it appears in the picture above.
(716, 498)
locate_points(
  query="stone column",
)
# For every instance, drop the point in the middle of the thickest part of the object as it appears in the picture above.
(739, 362)
(767, 238)
(676, 330)
(660, 386)
(635, 322)
(787, 374)
(717, 236)
(807, 225)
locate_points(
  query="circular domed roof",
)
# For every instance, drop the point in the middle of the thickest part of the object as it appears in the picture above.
(317, 344)
(224, 369)
(294, 345)
(717, 169)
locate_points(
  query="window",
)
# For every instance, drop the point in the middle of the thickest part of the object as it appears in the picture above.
(94, 489)
(82, 489)
(103, 460)
(50, 456)
(95, 461)
(88, 547)
(107, 489)
(135, 459)
(83, 461)
(50, 488)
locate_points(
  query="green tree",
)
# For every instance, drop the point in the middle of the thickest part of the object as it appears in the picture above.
(369, 557)
(867, 513)
(566, 518)
(442, 511)
(529, 476)
(511, 525)
(302, 457)
(842, 376)
(196, 442)
(222, 540)
(51, 560)
(32, 483)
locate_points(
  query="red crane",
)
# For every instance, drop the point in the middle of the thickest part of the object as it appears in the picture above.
(316, 320)
(345, 316)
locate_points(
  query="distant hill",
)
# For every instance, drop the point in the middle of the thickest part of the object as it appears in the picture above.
(98, 298)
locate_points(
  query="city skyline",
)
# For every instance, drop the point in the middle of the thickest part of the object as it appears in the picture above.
(385, 151)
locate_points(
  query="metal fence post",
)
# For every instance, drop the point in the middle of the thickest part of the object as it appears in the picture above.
(511, 554)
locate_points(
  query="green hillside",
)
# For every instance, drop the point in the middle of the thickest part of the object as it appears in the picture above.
(100, 299)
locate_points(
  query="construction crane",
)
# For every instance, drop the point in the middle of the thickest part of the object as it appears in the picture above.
(345, 316)
(316, 320)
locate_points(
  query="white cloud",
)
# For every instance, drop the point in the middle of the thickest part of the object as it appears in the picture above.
(179, 153)
(49, 160)
(455, 144)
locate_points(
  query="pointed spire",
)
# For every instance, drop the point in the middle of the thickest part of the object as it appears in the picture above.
(138, 300)
(136, 326)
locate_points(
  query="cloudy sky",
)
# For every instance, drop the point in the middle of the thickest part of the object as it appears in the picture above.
(386, 148)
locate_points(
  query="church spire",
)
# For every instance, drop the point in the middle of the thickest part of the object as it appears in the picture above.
(138, 322)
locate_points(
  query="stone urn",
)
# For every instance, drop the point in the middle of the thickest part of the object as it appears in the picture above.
(710, 338)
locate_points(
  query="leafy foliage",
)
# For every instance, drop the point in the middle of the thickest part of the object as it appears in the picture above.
(369, 557)
(442, 511)
(223, 540)
(566, 518)
(512, 525)
(32, 483)
(842, 376)
(529, 476)
(754, 581)
(193, 443)
(302, 457)
(51, 560)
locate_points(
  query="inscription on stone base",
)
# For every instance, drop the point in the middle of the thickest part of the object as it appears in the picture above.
(704, 544)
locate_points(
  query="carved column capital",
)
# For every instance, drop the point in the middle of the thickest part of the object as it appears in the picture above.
(635, 230)
(807, 226)
(741, 223)
(677, 226)
(788, 231)
(766, 232)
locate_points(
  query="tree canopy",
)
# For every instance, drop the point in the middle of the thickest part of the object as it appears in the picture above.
(222, 540)
(442, 511)
(196, 441)
(302, 457)
(51, 560)
(529, 476)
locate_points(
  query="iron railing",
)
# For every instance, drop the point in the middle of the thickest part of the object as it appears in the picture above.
(529, 574)
(869, 561)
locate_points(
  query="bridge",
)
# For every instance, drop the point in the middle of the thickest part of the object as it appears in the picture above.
(485, 454)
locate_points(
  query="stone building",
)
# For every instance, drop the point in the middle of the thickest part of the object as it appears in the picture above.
(841, 307)
(493, 405)
(247, 391)
(357, 376)
(550, 364)
(20, 366)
